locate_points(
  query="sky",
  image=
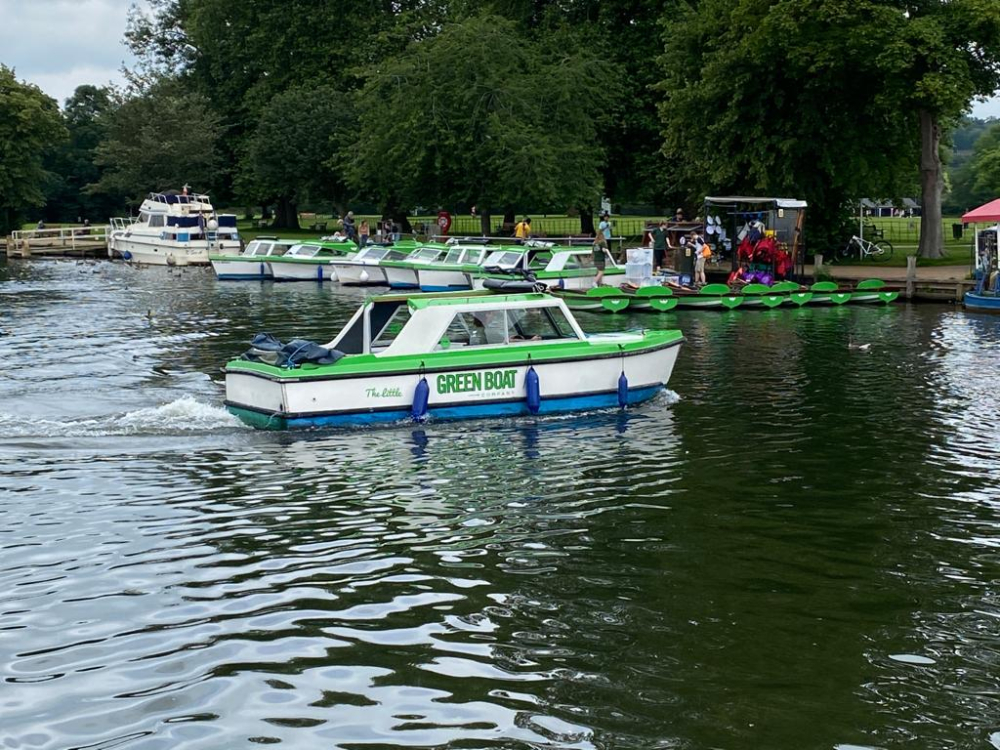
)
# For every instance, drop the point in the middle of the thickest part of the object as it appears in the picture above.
(60, 44)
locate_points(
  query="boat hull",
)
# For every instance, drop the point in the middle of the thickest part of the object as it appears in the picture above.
(154, 253)
(302, 271)
(981, 302)
(241, 270)
(442, 280)
(361, 274)
(399, 277)
(565, 386)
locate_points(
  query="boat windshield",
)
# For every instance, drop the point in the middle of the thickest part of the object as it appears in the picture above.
(252, 248)
(425, 253)
(503, 259)
(279, 249)
(455, 255)
(304, 251)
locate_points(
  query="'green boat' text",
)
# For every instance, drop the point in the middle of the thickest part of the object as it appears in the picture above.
(468, 382)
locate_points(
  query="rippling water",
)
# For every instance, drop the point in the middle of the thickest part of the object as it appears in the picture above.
(799, 549)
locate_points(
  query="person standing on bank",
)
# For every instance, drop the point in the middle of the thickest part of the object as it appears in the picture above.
(364, 232)
(659, 246)
(522, 230)
(349, 229)
(599, 254)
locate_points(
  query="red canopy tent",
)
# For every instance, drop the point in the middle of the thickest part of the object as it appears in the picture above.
(987, 212)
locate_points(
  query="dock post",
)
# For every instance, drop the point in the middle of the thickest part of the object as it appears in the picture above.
(911, 275)
(817, 266)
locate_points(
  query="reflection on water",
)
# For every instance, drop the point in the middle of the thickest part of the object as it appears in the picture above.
(797, 550)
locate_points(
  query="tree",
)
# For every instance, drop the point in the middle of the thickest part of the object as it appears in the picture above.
(773, 100)
(72, 163)
(479, 115)
(30, 125)
(296, 151)
(161, 139)
(937, 56)
(983, 169)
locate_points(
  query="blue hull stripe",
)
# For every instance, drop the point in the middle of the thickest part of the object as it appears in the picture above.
(457, 287)
(469, 411)
(398, 285)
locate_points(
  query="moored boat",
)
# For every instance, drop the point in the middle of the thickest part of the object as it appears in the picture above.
(252, 263)
(174, 229)
(365, 268)
(557, 267)
(310, 261)
(456, 355)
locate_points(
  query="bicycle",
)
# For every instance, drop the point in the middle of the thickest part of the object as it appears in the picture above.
(880, 250)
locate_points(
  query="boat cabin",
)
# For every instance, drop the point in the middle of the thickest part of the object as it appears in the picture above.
(373, 253)
(397, 324)
(319, 250)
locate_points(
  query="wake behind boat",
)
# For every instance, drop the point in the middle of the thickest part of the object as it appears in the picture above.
(455, 355)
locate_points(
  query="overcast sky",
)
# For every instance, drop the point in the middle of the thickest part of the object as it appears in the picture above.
(60, 44)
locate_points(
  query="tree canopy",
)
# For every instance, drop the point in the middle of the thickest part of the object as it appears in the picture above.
(30, 127)
(477, 115)
(163, 139)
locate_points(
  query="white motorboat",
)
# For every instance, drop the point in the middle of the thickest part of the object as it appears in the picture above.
(310, 261)
(365, 268)
(252, 263)
(463, 354)
(174, 229)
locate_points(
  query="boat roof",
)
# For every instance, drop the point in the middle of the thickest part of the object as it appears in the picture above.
(422, 300)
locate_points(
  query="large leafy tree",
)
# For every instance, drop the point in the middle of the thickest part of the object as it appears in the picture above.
(162, 139)
(766, 96)
(72, 164)
(478, 114)
(297, 148)
(832, 100)
(937, 55)
(30, 126)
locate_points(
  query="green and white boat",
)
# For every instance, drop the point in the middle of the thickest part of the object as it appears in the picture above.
(365, 268)
(557, 267)
(310, 261)
(449, 356)
(254, 262)
(402, 274)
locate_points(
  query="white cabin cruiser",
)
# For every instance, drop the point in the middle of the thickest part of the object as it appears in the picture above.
(365, 268)
(174, 229)
(310, 261)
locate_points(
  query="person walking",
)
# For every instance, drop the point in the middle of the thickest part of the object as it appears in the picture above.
(599, 254)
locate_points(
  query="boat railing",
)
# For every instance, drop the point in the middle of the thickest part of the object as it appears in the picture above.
(122, 222)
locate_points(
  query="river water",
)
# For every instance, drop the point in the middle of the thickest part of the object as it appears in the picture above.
(798, 547)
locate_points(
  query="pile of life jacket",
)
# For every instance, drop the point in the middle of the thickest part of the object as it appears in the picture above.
(757, 249)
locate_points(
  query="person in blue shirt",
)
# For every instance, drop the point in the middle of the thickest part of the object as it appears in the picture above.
(605, 226)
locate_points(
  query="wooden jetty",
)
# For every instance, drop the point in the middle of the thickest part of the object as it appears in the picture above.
(74, 241)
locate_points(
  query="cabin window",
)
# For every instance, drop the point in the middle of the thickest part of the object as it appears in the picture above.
(484, 328)
(157, 220)
(455, 255)
(539, 324)
(425, 253)
(143, 217)
(502, 259)
(395, 255)
(279, 250)
(392, 327)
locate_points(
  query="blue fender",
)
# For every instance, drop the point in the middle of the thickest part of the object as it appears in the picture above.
(533, 394)
(622, 390)
(420, 397)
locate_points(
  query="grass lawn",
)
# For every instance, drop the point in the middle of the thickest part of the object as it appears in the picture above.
(904, 234)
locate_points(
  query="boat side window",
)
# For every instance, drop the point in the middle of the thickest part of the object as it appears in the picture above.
(483, 328)
(156, 220)
(455, 255)
(262, 248)
(392, 328)
(539, 324)
(280, 250)
(143, 217)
